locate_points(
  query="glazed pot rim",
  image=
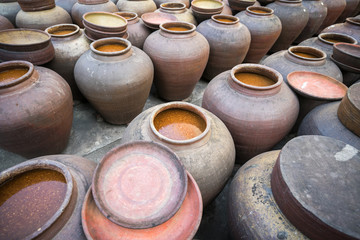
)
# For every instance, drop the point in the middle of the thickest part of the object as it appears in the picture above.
(177, 24)
(181, 6)
(13, 65)
(64, 25)
(269, 11)
(338, 47)
(340, 35)
(43, 164)
(353, 20)
(36, 44)
(207, 10)
(234, 18)
(134, 15)
(180, 105)
(312, 51)
(290, 1)
(110, 40)
(252, 68)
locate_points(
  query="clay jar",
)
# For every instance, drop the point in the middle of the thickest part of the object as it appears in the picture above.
(207, 153)
(317, 14)
(70, 178)
(109, 78)
(159, 2)
(294, 17)
(42, 19)
(229, 42)
(334, 10)
(82, 7)
(136, 29)
(178, 10)
(70, 43)
(9, 9)
(293, 59)
(179, 54)
(256, 116)
(138, 6)
(37, 109)
(264, 27)
(350, 27)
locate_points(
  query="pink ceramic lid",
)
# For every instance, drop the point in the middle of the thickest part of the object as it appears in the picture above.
(139, 184)
(154, 19)
(316, 86)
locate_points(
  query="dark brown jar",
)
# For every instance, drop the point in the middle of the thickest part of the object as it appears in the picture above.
(37, 109)
(334, 10)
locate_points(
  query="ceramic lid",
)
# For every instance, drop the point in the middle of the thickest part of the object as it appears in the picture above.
(154, 19)
(139, 184)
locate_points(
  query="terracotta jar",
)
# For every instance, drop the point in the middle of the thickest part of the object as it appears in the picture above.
(159, 2)
(37, 109)
(82, 7)
(294, 59)
(136, 29)
(66, 4)
(9, 9)
(323, 120)
(36, 5)
(350, 27)
(179, 58)
(70, 178)
(109, 78)
(348, 11)
(195, 148)
(252, 209)
(317, 14)
(229, 42)
(334, 10)
(240, 5)
(70, 43)
(178, 10)
(264, 27)
(138, 6)
(294, 17)
(249, 99)
(5, 23)
(42, 19)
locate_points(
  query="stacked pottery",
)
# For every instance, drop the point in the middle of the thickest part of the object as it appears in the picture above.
(40, 14)
(204, 9)
(180, 55)
(179, 11)
(347, 56)
(264, 27)
(159, 2)
(194, 134)
(303, 58)
(350, 8)
(104, 25)
(334, 10)
(263, 118)
(229, 42)
(294, 17)
(9, 9)
(37, 109)
(69, 43)
(138, 6)
(136, 29)
(350, 27)
(46, 195)
(141, 191)
(153, 20)
(85, 6)
(109, 78)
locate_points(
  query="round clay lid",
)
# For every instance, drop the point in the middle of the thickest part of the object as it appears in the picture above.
(316, 183)
(139, 184)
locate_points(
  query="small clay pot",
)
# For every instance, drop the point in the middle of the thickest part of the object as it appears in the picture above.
(138, 6)
(179, 11)
(36, 5)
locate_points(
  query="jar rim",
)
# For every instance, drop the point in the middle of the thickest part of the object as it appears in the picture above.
(190, 26)
(167, 6)
(340, 36)
(113, 40)
(75, 29)
(225, 16)
(268, 11)
(13, 65)
(131, 15)
(319, 54)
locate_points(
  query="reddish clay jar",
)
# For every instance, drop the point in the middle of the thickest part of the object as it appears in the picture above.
(229, 42)
(350, 27)
(204, 132)
(334, 10)
(179, 56)
(256, 116)
(265, 28)
(37, 109)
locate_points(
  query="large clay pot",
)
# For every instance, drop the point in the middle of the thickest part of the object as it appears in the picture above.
(159, 2)
(229, 42)
(71, 175)
(5, 23)
(9, 9)
(37, 110)
(80, 8)
(323, 120)
(138, 6)
(317, 14)
(112, 81)
(288, 61)
(179, 59)
(178, 10)
(294, 17)
(256, 116)
(70, 43)
(265, 28)
(136, 29)
(209, 157)
(350, 27)
(334, 10)
(42, 19)
(252, 209)
(66, 4)
(349, 10)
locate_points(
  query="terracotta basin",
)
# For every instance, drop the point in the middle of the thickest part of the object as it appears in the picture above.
(207, 6)
(104, 21)
(97, 34)
(348, 54)
(154, 19)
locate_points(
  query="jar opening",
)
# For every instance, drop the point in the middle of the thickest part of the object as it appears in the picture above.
(11, 74)
(110, 46)
(172, 6)
(177, 27)
(254, 79)
(225, 19)
(308, 53)
(62, 30)
(259, 10)
(127, 15)
(332, 38)
(14, 72)
(353, 20)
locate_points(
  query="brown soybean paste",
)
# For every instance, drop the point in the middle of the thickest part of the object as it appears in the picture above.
(225, 20)
(305, 55)
(62, 32)
(111, 47)
(179, 29)
(258, 11)
(254, 79)
(12, 74)
(334, 40)
(28, 201)
(179, 124)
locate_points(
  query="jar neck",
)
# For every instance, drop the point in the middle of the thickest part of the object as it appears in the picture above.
(70, 31)
(111, 55)
(259, 11)
(172, 11)
(318, 59)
